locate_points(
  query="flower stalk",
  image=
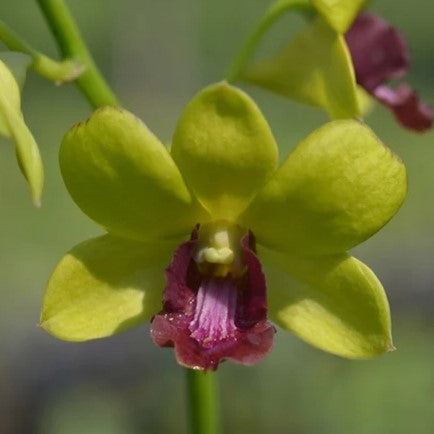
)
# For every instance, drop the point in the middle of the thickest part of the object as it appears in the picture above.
(91, 83)
(202, 402)
(271, 16)
(58, 71)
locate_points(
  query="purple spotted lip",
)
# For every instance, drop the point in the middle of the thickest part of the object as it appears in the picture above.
(207, 318)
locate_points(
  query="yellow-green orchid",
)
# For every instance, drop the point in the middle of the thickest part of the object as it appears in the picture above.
(196, 211)
(340, 61)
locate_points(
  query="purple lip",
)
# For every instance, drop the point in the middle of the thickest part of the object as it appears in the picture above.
(380, 53)
(208, 319)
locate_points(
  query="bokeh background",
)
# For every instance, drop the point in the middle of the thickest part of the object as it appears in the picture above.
(157, 54)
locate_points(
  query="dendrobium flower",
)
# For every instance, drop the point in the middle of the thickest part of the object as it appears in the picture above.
(212, 238)
(380, 53)
(346, 56)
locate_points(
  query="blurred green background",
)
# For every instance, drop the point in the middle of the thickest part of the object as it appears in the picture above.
(157, 54)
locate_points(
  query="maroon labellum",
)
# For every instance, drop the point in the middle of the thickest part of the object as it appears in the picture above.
(380, 53)
(208, 317)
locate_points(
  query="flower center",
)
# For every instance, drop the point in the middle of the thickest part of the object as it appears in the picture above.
(215, 303)
(220, 263)
(218, 253)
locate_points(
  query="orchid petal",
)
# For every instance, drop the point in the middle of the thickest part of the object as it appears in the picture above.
(224, 149)
(17, 63)
(122, 177)
(12, 125)
(408, 109)
(339, 13)
(324, 78)
(379, 51)
(336, 189)
(335, 303)
(103, 286)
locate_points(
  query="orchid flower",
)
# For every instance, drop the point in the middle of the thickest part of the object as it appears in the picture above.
(213, 240)
(339, 58)
(380, 53)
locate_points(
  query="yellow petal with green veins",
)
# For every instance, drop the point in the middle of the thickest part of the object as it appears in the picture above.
(324, 78)
(335, 303)
(103, 286)
(124, 178)
(337, 188)
(224, 149)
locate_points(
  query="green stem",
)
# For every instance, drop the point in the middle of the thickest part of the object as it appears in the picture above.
(202, 402)
(14, 42)
(91, 82)
(271, 16)
(62, 71)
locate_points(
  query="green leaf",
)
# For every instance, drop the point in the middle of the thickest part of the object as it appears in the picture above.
(314, 68)
(337, 188)
(224, 149)
(103, 286)
(335, 303)
(339, 13)
(121, 176)
(12, 125)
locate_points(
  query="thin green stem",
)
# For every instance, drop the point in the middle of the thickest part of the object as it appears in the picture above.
(67, 34)
(51, 69)
(202, 402)
(15, 42)
(271, 16)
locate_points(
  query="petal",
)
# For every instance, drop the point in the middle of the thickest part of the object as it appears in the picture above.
(12, 125)
(248, 349)
(10, 90)
(339, 13)
(121, 176)
(325, 77)
(103, 286)
(224, 149)
(366, 102)
(335, 303)
(254, 295)
(336, 189)
(17, 64)
(379, 51)
(210, 319)
(408, 109)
